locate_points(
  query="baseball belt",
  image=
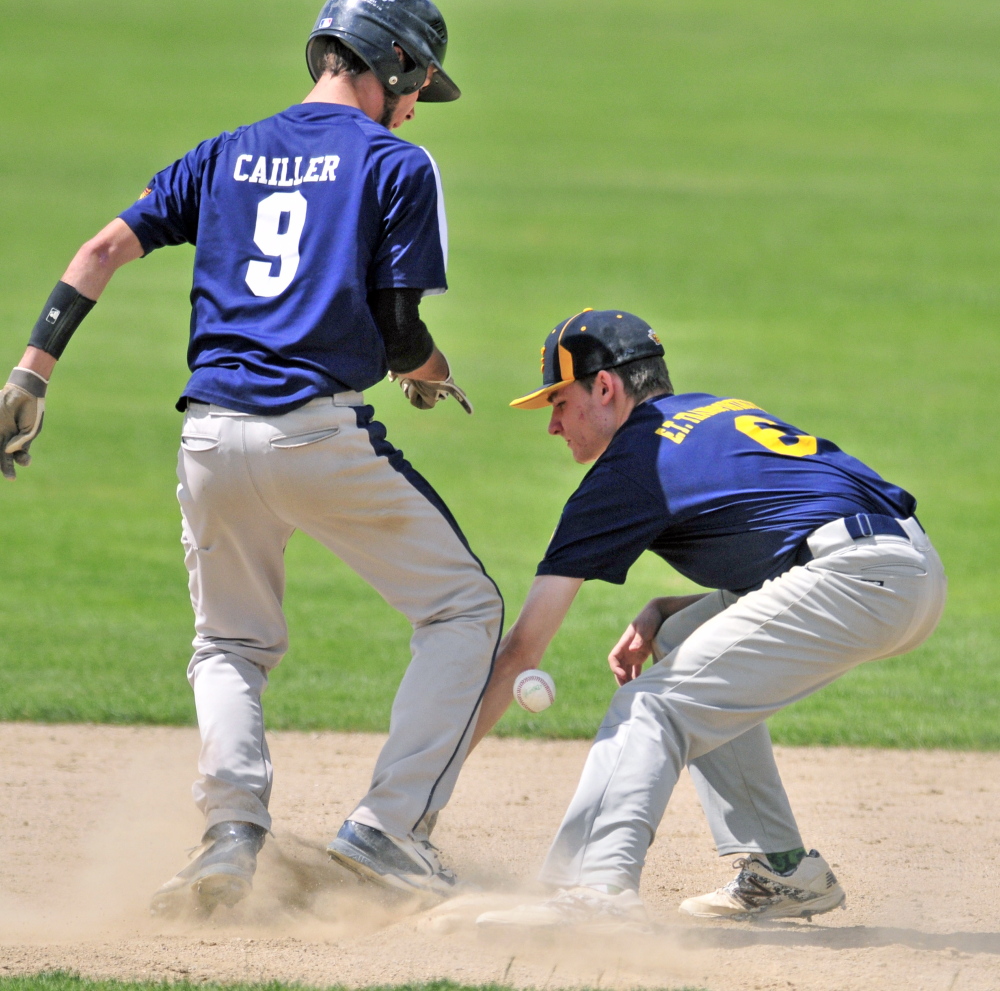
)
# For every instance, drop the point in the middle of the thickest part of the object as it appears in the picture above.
(838, 534)
(338, 399)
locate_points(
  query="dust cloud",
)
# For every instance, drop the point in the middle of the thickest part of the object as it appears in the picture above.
(93, 819)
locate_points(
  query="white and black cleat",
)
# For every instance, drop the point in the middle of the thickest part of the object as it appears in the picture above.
(220, 873)
(405, 865)
(758, 892)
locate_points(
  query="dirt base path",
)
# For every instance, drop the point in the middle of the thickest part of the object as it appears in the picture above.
(93, 819)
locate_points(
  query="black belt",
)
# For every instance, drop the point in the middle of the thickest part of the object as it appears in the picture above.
(870, 524)
(861, 525)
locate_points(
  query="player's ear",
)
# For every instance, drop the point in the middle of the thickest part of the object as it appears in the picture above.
(605, 384)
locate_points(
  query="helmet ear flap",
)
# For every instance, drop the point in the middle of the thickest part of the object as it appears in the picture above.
(399, 76)
(314, 56)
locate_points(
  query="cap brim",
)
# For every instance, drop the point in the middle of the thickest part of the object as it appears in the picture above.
(441, 88)
(539, 399)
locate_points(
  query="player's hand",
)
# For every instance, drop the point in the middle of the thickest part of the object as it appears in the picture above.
(22, 408)
(424, 394)
(636, 644)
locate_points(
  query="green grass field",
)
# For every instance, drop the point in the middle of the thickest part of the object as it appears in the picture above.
(802, 198)
(58, 981)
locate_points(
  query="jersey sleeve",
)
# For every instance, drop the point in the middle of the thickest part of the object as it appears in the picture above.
(607, 523)
(167, 211)
(413, 251)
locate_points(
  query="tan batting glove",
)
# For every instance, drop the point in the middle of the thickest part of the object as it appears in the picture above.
(424, 394)
(22, 409)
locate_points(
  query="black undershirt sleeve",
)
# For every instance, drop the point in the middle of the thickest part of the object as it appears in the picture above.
(408, 343)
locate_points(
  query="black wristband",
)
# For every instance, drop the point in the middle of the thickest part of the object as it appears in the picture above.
(408, 343)
(63, 313)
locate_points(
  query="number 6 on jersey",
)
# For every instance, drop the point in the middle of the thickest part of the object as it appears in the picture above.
(268, 237)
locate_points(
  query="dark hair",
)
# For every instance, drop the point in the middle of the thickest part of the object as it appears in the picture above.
(640, 379)
(336, 58)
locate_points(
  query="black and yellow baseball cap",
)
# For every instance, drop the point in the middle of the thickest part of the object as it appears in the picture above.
(587, 343)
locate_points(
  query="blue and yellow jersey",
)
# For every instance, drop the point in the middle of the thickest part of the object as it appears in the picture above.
(720, 489)
(296, 219)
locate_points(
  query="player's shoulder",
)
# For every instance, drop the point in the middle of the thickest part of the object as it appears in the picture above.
(213, 147)
(391, 150)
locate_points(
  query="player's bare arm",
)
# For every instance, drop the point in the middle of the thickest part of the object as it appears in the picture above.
(544, 610)
(22, 401)
(96, 262)
(636, 644)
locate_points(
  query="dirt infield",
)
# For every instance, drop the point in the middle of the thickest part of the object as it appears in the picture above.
(93, 819)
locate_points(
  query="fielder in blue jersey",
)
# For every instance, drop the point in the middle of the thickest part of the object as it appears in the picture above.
(317, 233)
(818, 564)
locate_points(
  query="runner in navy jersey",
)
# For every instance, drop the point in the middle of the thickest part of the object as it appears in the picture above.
(317, 233)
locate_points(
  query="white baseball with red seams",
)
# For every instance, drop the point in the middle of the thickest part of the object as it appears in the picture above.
(534, 690)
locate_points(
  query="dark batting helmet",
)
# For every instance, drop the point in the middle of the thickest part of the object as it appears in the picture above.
(371, 28)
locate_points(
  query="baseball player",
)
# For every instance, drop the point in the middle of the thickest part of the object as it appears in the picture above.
(318, 231)
(818, 565)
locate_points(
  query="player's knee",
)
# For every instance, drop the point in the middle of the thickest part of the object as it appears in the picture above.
(637, 699)
(478, 601)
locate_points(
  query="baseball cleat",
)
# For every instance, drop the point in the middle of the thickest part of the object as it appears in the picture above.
(220, 873)
(579, 908)
(413, 866)
(757, 892)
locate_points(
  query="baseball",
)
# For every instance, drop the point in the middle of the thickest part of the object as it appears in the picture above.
(534, 690)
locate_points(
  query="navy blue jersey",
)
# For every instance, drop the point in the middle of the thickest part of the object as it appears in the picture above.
(721, 490)
(296, 219)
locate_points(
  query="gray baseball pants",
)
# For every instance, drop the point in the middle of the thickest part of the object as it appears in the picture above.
(247, 483)
(856, 601)
(737, 783)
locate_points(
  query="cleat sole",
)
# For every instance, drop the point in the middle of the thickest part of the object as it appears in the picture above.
(201, 896)
(819, 906)
(220, 889)
(805, 910)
